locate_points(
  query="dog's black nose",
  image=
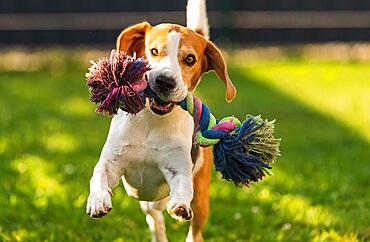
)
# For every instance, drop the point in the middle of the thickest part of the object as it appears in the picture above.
(165, 83)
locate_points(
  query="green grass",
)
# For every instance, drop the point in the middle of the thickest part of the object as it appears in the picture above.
(50, 139)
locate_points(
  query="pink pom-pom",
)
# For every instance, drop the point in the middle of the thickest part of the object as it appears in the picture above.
(118, 82)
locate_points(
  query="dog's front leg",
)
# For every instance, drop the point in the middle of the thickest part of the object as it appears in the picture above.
(178, 174)
(107, 173)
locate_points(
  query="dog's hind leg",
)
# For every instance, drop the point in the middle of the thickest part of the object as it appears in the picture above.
(155, 220)
(200, 203)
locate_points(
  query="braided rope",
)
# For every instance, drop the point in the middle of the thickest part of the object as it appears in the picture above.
(211, 130)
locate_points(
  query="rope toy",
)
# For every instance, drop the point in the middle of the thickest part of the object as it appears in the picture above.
(116, 83)
(242, 151)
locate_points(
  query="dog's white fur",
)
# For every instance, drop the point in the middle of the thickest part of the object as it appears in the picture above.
(151, 153)
(168, 66)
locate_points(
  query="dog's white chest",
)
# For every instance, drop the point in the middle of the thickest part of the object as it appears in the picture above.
(143, 180)
(145, 144)
(145, 183)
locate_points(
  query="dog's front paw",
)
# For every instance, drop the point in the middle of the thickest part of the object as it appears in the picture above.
(99, 204)
(179, 211)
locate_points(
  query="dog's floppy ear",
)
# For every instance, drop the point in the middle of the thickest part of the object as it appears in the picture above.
(132, 39)
(215, 61)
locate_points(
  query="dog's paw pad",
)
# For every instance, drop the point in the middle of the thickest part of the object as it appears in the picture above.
(180, 211)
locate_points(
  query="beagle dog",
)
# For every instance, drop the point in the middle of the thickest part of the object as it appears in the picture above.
(152, 151)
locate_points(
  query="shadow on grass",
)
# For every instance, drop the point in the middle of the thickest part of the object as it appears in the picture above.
(50, 140)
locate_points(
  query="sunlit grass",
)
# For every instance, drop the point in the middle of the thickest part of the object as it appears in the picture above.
(332, 235)
(50, 140)
(77, 106)
(36, 173)
(61, 142)
(300, 209)
(341, 90)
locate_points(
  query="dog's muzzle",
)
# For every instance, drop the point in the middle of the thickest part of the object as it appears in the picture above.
(168, 89)
(166, 84)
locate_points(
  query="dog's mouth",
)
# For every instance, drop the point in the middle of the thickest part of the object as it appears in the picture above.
(160, 107)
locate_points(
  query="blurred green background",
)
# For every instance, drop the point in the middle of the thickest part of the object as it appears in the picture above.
(50, 140)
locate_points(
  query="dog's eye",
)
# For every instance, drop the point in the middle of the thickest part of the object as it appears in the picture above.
(190, 60)
(154, 52)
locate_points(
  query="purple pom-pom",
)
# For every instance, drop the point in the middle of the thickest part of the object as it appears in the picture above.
(117, 82)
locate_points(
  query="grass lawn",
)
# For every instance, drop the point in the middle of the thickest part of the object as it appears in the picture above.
(50, 140)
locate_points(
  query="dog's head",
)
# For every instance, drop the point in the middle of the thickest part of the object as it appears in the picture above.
(178, 56)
